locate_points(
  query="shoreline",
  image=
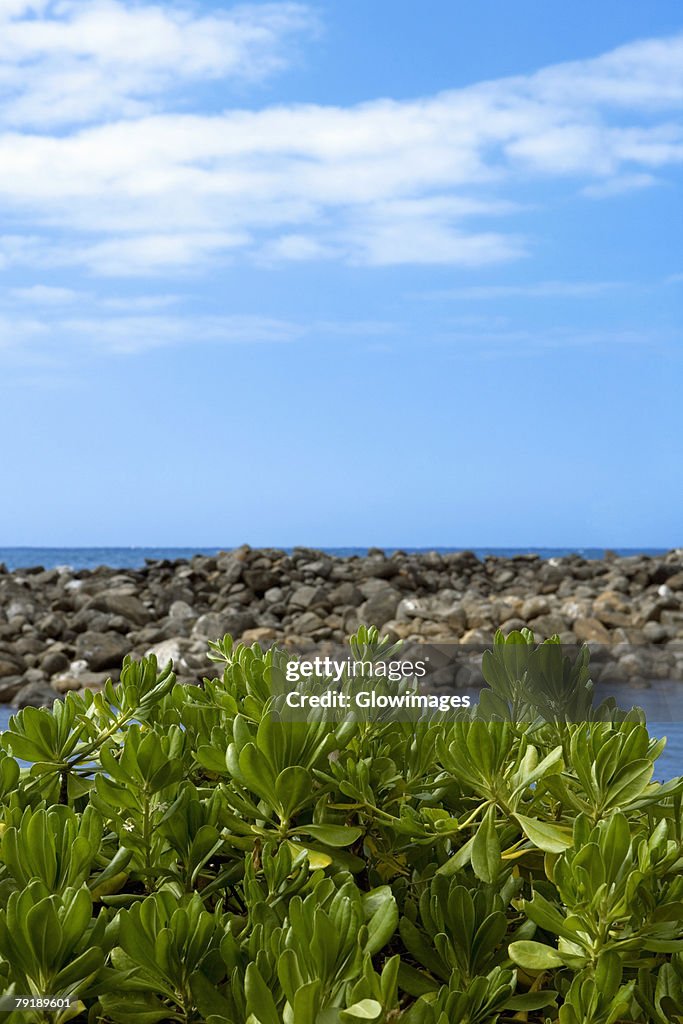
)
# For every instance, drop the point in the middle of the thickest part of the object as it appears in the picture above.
(64, 629)
(30, 557)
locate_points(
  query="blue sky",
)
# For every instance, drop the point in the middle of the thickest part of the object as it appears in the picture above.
(341, 274)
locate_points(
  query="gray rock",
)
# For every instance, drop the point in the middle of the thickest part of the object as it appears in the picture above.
(381, 607)
(54, 661)
(102, 650)
(35, 695)
(321, 567)
(230, 567)
(307, 623)
(52, 625)
(20, 609)
(79, 681)
(544, 626)
(214, 625)
(379, 567)
(260, 580)
(120, 602)
(10, 666)
(590, 630)
(307, 596)
(9, 687)
(345, 593)
(371, 587)
(181, 610)
(169, 650)
(512, 625)
(675, 582)
(535, 606)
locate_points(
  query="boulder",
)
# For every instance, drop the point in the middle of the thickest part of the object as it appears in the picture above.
(102, 650)
(381, 607)
(35, 695)
(534, 606)
(168, 650)
(590, 630)
(121, 602)
(54, 661)
(259, 635)
(260, 580)
(10, 666)
(214, 625)
(307, 596)
(79, 681)
(9, 687)
(181, 611)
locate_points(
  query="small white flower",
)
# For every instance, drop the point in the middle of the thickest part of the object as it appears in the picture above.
(129, 825)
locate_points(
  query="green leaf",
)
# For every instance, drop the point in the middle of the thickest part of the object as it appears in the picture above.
(415, 983)
(629, 783)
(257, 772)
(460, 859)
(260, 1001)
(532, 1000)
(331, 835)
(547, 836)
(366, 1009)
(306, 1003)
(381, 914)
(534, 956)
(293, 790)
(486, 849)
(541, 912)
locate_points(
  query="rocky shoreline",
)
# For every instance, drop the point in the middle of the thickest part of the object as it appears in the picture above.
(62, 630)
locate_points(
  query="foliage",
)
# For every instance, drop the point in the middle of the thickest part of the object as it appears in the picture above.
(173, 853)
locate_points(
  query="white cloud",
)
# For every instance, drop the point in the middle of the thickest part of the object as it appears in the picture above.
(524, 341)
(533, 290)
(101, 329)
(103, 58)
(132, 334)
(147, 254)
(46, 295)
(15, 332)
(297, 248)
(139, 303)
(152, 189)
(619, 185)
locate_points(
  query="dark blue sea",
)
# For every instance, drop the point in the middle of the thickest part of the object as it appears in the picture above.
(663, 703)
(134, 558)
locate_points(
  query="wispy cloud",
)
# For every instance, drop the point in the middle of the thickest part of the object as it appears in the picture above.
(526, 341)
(107, 58)
(619, 185)
(46, 295)
(32, 322)
(143, 181)
(530, 290)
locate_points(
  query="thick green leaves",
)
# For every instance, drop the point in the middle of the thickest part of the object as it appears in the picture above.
(534, 956)
(486, 848)
(545, 835)
(184, 854)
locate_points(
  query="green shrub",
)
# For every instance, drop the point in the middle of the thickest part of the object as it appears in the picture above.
(179, 853)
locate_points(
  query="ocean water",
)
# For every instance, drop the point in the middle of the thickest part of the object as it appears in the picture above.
(134, 557)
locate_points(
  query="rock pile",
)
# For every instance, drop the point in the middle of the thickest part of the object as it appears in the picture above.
(62, 630)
